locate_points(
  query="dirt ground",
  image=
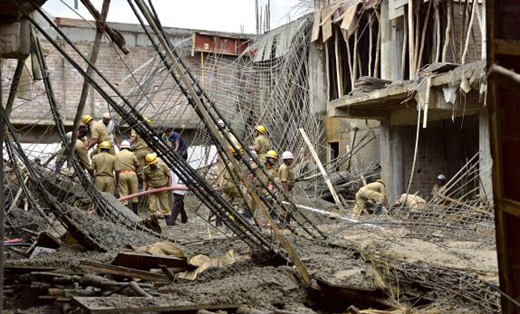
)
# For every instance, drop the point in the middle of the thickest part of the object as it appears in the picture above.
(272, 286)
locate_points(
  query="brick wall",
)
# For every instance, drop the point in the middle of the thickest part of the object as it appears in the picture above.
(444, 147)
(168, 106)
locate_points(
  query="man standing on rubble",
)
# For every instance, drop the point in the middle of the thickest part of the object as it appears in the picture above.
(127, 167)
(261, 144)
(373, 191)
(156, 175)
(439, 183)
(98, 134)
(141, 149)
(286, 176)
(103, 164)
(178, 201)
(111, 128)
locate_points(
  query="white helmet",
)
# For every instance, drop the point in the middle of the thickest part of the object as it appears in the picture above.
(125, 144)
(69, 135)
(106, 116)
(221, 123)
(287, 155)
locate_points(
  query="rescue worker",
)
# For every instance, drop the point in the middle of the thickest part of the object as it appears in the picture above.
(98, 134)
(157, 175)
(103, 164)
(261, 144)
(414, 202)
(141, 149)
(439, 183)
(228, 186)
(178, 201)
(127, 167)
(79, 149)
(286, 176)
(271, 158)
(373, 191)
(176, 142)
(111, 128)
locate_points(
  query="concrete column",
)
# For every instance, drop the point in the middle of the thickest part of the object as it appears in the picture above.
(392, 159)
(386, 43)
(397, 48)
(485, 159)
(317, 81)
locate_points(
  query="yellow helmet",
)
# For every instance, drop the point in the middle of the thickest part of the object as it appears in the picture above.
(271, 154)
(261, 129)
(105, 145)
(381, 181)
(86, 119)
(234, 151)
(151, 159)
(148, 121)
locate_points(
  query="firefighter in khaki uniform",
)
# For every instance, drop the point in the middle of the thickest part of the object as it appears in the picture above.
(141, 149)
(127, 167)
(373, 191)
(286, 176)
(104, 164)
(271, 158)
(98, 134)
(80, 148)
(261, 144)
(157, 175)
(228, 186)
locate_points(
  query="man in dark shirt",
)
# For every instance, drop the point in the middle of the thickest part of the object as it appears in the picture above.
(177, 143)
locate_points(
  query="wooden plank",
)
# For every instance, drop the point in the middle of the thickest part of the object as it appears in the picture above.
(123, 271)
(95, 305)
(326, 28)
(147, 261)
(316, 26)
(322, 169)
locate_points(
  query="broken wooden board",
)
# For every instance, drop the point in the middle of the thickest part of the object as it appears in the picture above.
(96, 305)
(124, 271)
(147, 261)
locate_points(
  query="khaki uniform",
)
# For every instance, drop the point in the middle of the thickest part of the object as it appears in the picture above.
(414, 202)
(372, 191)
(140, 149)
(285, 175)
(81, 151)
(229, 188)
(98, 130)
(104, 165)
(263, 179)
(158, 178)
(436, 189)
(261, 145)
(128, 166)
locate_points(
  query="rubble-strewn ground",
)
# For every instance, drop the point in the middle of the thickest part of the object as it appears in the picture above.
(335, 260)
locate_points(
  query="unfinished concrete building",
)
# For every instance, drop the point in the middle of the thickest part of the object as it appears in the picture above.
(356, 90)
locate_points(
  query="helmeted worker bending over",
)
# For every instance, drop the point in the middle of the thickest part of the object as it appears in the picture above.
(261, 145)
(439, 183)
(157, 175)
(373, 191)
(141, 149)
(79, 149)
(104, 166)
(414, 202)
(127, 167)
(98, 134)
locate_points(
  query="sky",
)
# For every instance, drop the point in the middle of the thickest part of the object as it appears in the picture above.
(215, 15)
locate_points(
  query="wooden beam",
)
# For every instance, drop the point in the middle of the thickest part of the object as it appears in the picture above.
(322, 169)
(123, 271)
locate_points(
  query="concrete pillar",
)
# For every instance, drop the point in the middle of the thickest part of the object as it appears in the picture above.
(392, 159)
(397, 48)
(386, 43)
(317, 81)
(485, 159)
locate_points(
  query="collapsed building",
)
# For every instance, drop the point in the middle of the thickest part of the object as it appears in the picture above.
(358, 90)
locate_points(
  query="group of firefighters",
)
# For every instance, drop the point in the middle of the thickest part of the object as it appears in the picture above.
(135, 162)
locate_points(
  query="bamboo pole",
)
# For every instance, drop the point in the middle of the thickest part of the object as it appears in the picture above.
(411, 37)
(354, 61)
(339, 70)
(349, 59)
(469, 32)
(437, 33)
(464, 13)
(423, 37)
(449, 17)
(403, 53)
(370, 44)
